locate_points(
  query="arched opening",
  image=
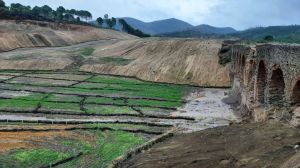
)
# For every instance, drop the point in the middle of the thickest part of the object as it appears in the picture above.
(261, 83)
(296, 94)
(243, 63)
(276, 88)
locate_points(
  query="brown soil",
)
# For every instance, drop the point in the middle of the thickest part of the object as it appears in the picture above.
(243, 145)
(26, 34)
(15, 140)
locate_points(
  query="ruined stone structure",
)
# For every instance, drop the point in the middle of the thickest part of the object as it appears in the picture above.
(268, 78)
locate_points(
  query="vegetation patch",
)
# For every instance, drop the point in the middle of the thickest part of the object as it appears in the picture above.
(138, 102)
(105, 100)
(38, 157)
(55, 106)
(14, 104)
(101, 109)
(63, 98)
(114, 61)
(88, 51)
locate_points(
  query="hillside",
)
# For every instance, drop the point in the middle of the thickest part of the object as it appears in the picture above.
(200, 31)
(44, 34)
(289, 34)
(158, 27)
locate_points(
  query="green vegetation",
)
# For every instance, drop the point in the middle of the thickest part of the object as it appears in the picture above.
(115, 80)
(114, 144)
(38, 157)
(16, 104)
(105, 100)
(63, 98)
(153, 103)
(129, 29)
(102, 109)
(60, 106)
(87, 51)
(114, 60)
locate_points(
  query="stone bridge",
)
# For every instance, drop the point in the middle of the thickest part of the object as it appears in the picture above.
(268, 79)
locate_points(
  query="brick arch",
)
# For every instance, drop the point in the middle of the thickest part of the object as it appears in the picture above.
(261, 82)
(295, 91)
(276, 87)
(243, 64)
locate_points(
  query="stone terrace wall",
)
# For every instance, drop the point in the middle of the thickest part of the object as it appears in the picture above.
(268, 78)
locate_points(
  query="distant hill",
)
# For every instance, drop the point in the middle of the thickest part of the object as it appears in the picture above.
(201, 31)
(158, 27)
(288, 34)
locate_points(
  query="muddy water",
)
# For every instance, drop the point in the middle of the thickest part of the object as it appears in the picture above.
(205, 105)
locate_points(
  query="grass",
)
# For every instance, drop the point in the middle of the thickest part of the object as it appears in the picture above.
(114, 60)
(38, 157)
(105, 100)
(74, 107)
(153, 103)
(114, 80)
(18, 104)
(113, 144)
(98, 109)
(63, 98)
(87, 51)
(107, 146)
(120, 126)
(85, 85)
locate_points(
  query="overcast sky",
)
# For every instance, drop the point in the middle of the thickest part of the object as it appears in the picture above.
(239, 14)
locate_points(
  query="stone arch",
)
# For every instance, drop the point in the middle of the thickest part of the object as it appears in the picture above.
(295, 94)
(276, 87)
(243, 64)
(260, 83)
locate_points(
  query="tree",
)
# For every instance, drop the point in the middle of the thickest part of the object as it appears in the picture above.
(127, 28)
(3, 10)
(78, 19)
(46, 10)
(109, 23)
(2, 4)
(106, 16)
(100, 21)
(36, 11)
(60, 13)
(114, 21)
(268, 38)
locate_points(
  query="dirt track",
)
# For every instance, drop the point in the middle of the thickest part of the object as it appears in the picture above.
(244, 145)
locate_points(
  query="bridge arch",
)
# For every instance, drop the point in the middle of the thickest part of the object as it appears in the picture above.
(260, 83)
(276, 87)
(295, 92)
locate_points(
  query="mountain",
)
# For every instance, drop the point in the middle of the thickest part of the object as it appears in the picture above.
(158, 27)
(201, 31)
(288, 34)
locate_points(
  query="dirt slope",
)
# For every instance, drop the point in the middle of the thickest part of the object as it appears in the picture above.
(181, 61)
(38, 34)
(184, 61)
(247, 145)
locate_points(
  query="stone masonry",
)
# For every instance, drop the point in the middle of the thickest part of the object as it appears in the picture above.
(268, 78)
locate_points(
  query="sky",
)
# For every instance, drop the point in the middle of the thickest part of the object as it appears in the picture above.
(239, 14)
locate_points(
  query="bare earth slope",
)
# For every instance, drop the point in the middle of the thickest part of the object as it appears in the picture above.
(184, 61)
(181, 61)
(40, 34)
(245, 145)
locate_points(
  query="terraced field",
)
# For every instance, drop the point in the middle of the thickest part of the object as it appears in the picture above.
(63, 119)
